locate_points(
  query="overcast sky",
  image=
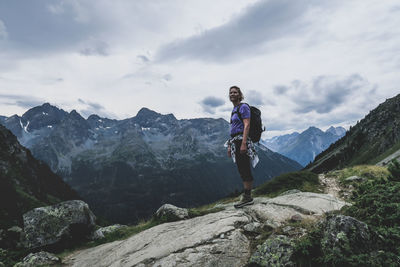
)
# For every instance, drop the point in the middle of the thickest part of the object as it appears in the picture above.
(302, 62)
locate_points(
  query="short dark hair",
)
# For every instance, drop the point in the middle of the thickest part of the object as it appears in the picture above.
(241, 96)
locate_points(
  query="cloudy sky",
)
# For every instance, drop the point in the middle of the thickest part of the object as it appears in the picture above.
(302, 62)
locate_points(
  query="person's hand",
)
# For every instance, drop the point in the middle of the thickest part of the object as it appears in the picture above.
(229, 152)
(243, 148)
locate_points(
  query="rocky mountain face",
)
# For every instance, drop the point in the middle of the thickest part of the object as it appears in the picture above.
(223, 238)
(25, 182)
(126, 169)
(373, 138)
(303, 147)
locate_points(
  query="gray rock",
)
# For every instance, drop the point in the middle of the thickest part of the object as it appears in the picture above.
(41, 258)
(277, 211)
(254, 227)
(294, 231)
(276, 251)
(101, 232)
(343, 233)
(355, 178)
(170, 213)
(58, 225)
(192, 242)
(291, 191)
(296, 218)
(215, 239)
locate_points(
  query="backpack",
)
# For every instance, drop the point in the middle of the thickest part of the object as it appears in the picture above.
(256, 127)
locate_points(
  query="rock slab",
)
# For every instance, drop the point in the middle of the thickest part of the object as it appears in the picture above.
(216, 239)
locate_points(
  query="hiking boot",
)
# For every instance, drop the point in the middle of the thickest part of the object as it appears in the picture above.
(244, 201)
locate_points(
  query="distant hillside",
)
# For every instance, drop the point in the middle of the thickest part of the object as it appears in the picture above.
(369, 141)
(25, 182)
(303, 147)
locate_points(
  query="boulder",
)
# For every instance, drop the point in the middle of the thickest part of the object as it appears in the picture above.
(103, 231)
(41, 258)
(58, 226)
(345, 235)
(275, 251)
(170, 213)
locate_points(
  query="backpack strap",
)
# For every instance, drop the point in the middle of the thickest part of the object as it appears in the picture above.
(238, 112)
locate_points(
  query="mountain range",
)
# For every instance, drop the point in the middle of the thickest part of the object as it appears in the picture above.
(126, 169)
(303, 147)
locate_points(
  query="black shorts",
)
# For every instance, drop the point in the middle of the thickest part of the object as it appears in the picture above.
(243, 163)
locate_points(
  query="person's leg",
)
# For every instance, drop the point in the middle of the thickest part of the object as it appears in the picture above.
(243, 164)
(248, 185)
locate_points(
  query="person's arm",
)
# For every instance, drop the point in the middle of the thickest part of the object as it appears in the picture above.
(246, 129)
(229, 151)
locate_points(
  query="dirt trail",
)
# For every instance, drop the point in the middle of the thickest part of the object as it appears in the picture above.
(331, 186)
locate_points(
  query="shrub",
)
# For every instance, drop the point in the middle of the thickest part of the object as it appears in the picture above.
(377, 203)
(394, 169)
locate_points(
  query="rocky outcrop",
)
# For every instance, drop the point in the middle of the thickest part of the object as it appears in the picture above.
(103, 231)
(58, 225)
(41, 258)
(341, 233)
(170, 213)
(276, 251)
(217, 239)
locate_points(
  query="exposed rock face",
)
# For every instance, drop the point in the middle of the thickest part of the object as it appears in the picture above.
(344, 232)
(100, 233)
(57, 225)
(171, 213)
(41, 258)
(276, 251)
(217, 239)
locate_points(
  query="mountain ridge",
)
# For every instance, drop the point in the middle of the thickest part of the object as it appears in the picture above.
(151, 157)
(366, 142)
(303, 147)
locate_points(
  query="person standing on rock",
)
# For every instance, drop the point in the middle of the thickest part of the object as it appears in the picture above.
(240, 147)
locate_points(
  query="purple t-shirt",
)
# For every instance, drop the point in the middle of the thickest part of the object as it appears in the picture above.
(237, 125)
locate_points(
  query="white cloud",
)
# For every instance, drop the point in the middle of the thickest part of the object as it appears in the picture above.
(263, 46)
(3, 31)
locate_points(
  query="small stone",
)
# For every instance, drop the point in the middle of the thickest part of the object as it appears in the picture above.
(296, 218)
(171, 213)
(287, 229)
(253, 227)
(103, 231)
(222, 236)
(38, 259)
